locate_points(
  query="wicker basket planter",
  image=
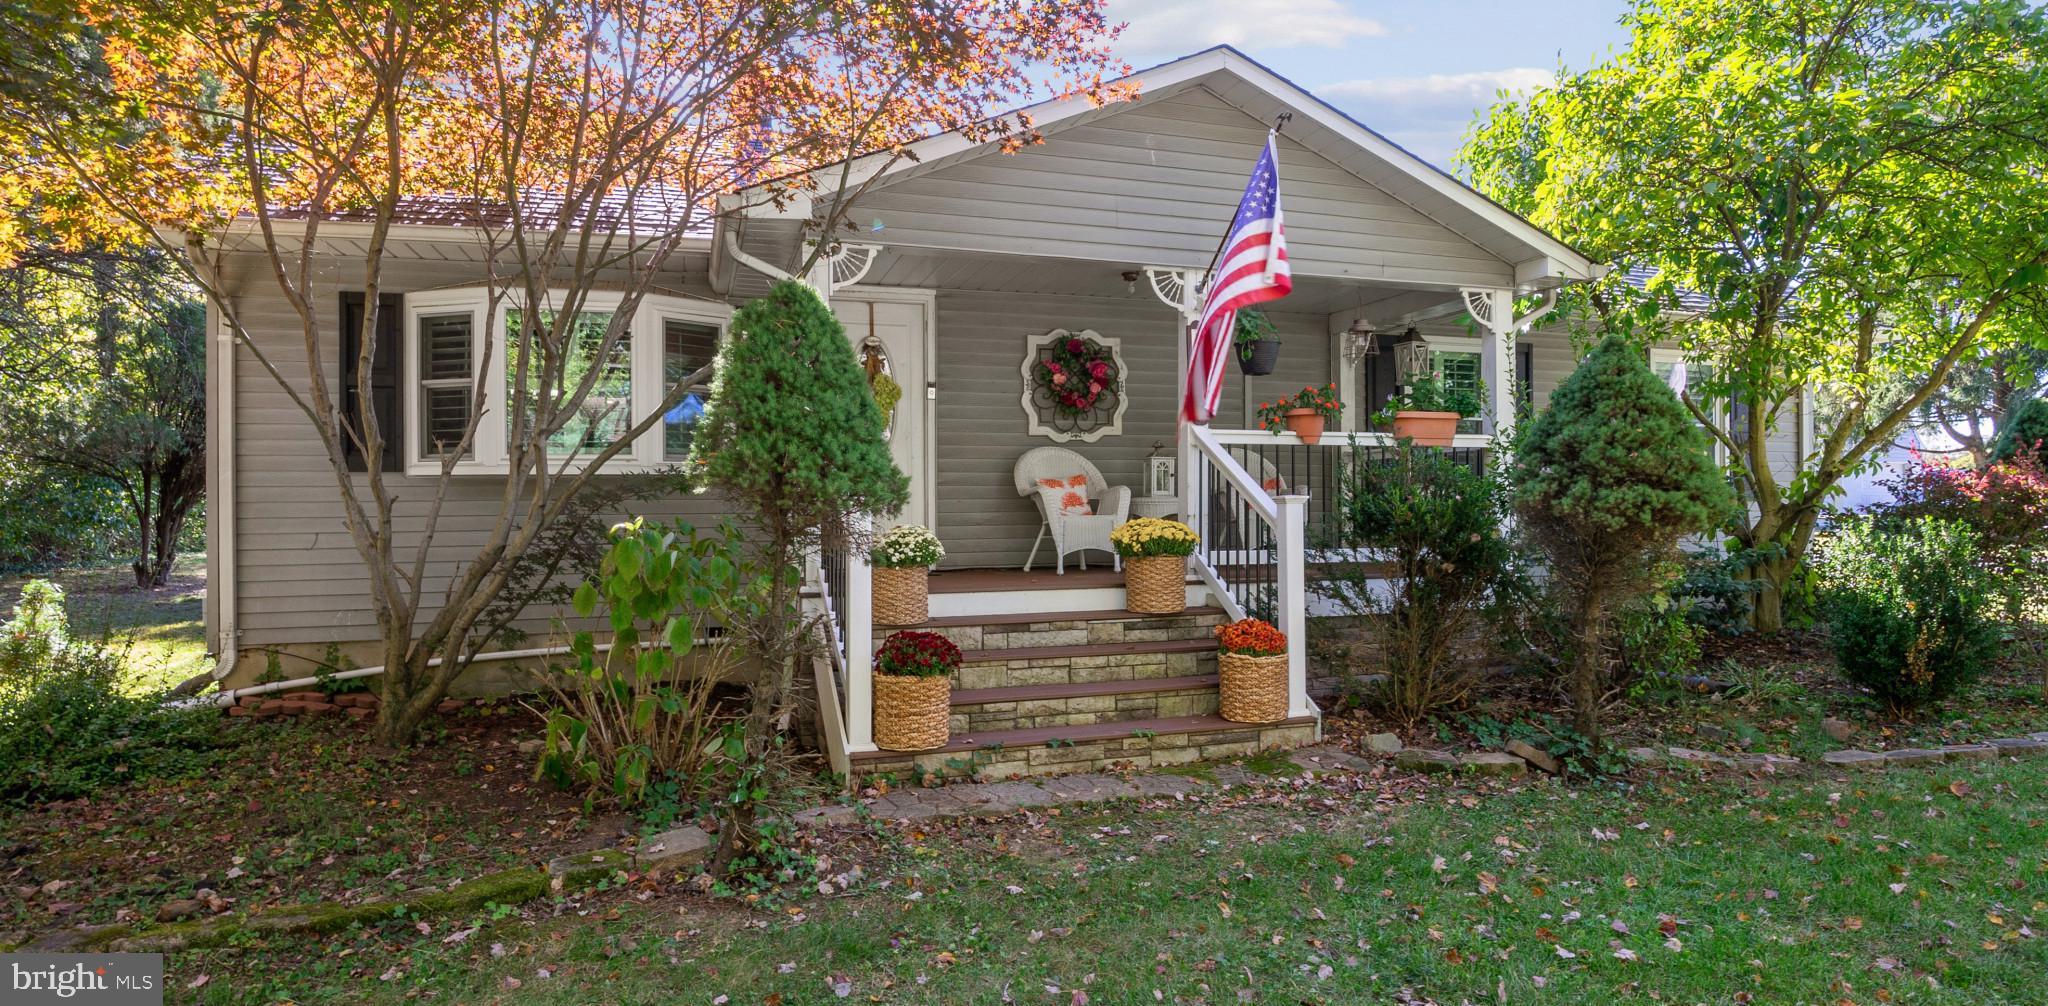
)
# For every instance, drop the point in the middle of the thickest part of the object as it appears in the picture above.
(902, 596)
(1252, 689)
(912, 713)
(1156, 585)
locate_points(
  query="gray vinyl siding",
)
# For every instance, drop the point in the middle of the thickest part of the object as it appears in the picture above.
(981, 428)
(298, 575)
(1554, 359)
(1155, 185)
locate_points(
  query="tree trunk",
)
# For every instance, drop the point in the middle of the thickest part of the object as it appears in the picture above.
(1587, 660)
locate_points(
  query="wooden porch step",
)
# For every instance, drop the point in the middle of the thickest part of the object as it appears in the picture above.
(1010, 740)
(1086, 650)
(1089, 689)
(1033, 617)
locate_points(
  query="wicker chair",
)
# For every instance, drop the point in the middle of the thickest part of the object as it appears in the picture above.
(1071, 533)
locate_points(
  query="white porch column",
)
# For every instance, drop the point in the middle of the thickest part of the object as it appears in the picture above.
(1494, 310)
(1179, 289)
(1291, 604)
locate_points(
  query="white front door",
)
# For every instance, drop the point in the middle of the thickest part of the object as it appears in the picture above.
(893, 331)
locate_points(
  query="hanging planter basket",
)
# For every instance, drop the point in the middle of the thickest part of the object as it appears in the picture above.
(1258, 359)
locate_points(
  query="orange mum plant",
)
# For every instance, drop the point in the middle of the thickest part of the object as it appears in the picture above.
(1251, 637)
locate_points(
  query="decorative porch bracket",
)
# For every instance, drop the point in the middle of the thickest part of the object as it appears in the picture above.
(1175, 288)
(1494, 310)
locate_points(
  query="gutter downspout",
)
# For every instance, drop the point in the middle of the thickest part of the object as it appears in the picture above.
(732, 248)
(220, 502)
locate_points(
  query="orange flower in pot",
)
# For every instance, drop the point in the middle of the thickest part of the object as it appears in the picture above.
(1305, 413)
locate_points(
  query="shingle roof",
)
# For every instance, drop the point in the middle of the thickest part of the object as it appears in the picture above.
(1639, 276)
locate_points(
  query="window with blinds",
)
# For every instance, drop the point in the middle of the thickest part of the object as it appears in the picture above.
(446, 380)
(685, 346)
(1461, 373)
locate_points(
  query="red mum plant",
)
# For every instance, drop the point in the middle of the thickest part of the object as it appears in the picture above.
(1252, 638)
(917, 654)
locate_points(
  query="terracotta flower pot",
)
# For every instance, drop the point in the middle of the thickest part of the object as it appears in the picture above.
(1306, 424)
(1427, 429)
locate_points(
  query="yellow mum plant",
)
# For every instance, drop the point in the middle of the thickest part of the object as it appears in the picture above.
(1150, 536)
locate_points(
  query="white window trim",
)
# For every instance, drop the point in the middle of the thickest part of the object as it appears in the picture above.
(645, 348)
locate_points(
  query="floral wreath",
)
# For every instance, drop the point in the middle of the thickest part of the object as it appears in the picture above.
(1075, 373)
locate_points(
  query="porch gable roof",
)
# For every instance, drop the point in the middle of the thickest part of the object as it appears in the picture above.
(1538, 259)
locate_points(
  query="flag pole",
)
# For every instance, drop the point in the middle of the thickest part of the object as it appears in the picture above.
(1279, 122)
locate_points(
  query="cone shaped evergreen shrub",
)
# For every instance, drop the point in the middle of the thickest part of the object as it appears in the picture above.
(1607, 480)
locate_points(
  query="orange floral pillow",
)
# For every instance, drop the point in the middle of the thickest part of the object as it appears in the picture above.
(1062, 500)
(1070, 482)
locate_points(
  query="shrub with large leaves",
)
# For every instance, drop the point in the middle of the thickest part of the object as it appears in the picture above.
(1908, 606)
(1607, 480)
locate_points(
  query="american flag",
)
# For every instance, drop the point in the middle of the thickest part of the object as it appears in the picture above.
(1251, 270)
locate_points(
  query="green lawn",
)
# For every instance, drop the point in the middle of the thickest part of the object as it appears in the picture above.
(1912, 887)
(164, 628)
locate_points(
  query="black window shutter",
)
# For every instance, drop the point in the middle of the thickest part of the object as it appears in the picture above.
(1525, 378)
(383, 375)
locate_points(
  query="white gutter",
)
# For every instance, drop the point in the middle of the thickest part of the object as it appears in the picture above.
(732, 248)
(228, 696)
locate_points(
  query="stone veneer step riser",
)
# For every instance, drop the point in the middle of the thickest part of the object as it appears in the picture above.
(1161, 751)
(990, 717)
(1086, 669)
(1135, 629)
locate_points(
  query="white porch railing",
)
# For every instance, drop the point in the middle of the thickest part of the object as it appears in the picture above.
(845, 586)
(1252, 547)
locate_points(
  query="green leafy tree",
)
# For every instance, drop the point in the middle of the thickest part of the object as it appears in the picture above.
(1854, 187)
(103, 379)
(793, 439)
(1607, 480)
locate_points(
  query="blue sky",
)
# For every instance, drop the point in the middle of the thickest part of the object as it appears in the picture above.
(1414, 71)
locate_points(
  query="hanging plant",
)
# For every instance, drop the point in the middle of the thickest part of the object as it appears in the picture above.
(1258, 351)
(1075, 374)
(887, 393)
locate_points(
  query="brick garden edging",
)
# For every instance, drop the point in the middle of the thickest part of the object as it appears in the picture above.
(312, 702)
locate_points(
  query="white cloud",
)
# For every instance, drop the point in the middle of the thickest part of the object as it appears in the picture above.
(1163, 29)
(1429, 114)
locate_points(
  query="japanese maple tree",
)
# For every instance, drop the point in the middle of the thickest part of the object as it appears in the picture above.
(583, 141)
